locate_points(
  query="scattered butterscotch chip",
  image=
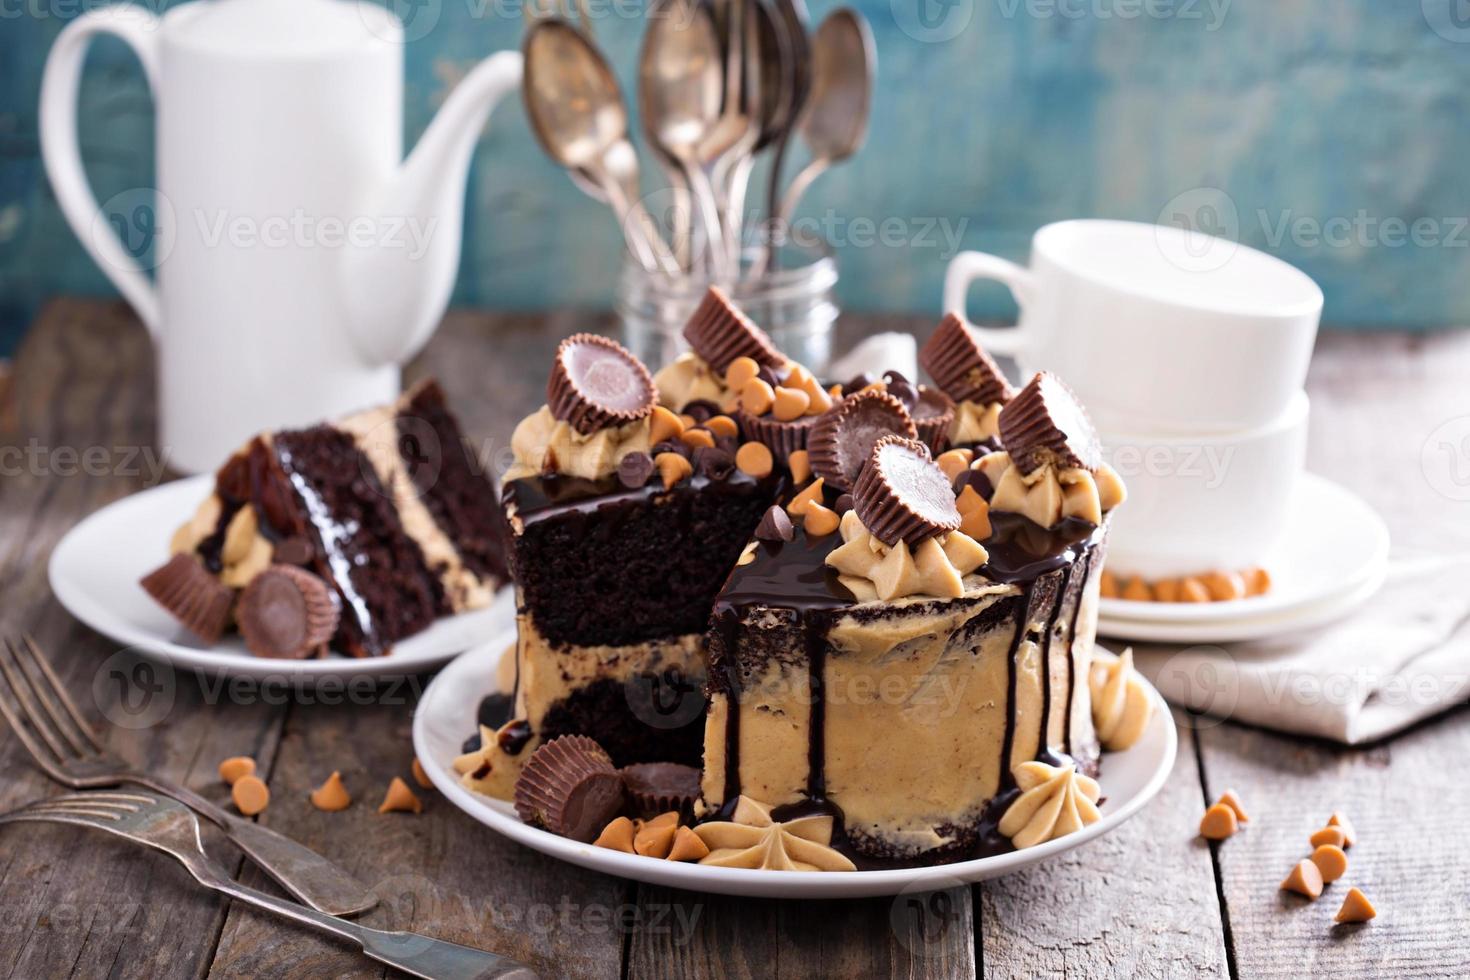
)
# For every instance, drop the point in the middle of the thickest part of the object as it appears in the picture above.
(819, 521)
(757, 397)
(755, 459)
(1193, 590)
(1329, 835)
(1218, 823)
(1305, 879)
(1331, 861)
(1108, 584)
(1233, 802)
(251, 796)
(233, 768)
(800, 465)
(955, 462)
(789, 404)
(741, 370)
(419, 776)
(687, 846)
(655, 838)
(1340, 821)
(974, 514)
(332, 795)
(1167, 590)
(663, 425)
(698, 438)
(618, 835)
(1257, 581)
(672, 468)
(400, 799)
(1355, 907)
(811, 494)
(1137, 590)
(722, 425)
(1223, 586)
(688, 421)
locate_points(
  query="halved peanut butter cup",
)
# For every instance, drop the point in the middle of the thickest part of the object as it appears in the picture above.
(719, 333)
(902, 495)
(842, 439)
(1046, 424)
(960, 367)
(595, 384)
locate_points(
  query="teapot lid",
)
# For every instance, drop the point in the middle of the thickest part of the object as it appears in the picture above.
(282, 27)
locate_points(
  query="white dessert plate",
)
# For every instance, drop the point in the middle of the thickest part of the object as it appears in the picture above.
(1334, 544)
(95, 571)
(446, 716)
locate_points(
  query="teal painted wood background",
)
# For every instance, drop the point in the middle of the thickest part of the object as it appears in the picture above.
(1334, 134)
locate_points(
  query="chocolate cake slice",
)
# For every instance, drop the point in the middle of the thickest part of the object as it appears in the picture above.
(388, 507)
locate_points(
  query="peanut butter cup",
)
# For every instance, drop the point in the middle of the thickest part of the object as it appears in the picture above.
(960, 368)
(843, 439)
(570, 787)
(781, 438)
(659, 787)
(901, 495)
(185, 588)
(287, 613)
(595, 384)
(719, 333)
(1045, 424)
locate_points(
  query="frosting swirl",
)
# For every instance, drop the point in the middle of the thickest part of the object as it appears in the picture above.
(752, 839)
(1054, 801)
(544, 444)
(689, 378)
(1121, 707)
(870, 569)
(974, 422)
(1048, 494)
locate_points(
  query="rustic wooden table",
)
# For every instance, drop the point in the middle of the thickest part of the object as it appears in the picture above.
(1148, 900)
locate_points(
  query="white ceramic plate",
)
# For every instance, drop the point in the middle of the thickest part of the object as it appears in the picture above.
(1334, 544)
(96, 567)
(446, 716)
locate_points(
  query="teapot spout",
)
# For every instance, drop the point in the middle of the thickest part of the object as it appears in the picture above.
(396, 292)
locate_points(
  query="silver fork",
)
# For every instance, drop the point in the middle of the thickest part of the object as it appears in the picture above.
(45, 719)
(167, 826)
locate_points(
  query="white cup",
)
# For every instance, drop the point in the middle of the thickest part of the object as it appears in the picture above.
(1155, 329)
(1215, 502)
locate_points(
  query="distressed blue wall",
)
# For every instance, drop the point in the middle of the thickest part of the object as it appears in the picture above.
(1333, 121)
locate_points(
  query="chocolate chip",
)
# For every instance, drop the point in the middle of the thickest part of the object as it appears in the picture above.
(902, 389)
(701, 410)
(729, 444)
(714, 463)
(842, 504)
(775, 525)
(596, 384)
(768, 376)
(858, 383)
(674, 446)
(634, 469)
(494, 710)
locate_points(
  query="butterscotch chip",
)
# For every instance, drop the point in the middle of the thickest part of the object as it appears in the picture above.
(655, 838)
(741, 370)
(821, 402)
(955, 462)
(419, 776)
(672, 468)
(819, 521)
(618, 835)
(1167, 590)
(1257, 581)
(757, 397)
(687, 846)
(400, 799)
(251, 796)
(1305, 879)
(1341, 822)
(755, 459)
(1137, 590)
(332, 795)
(1329, 835)
(233, 768)
(722, 425)
(1107, 585)
(835, 391)
(812, 494)
(1355, 907)
(664, 425)
(1218, 823)
(800, 465)
(1331, 861)
(1193, 590)
(1233, 802)
(974, 514)
(789, 404)
(1223, 586)
(698, 438)
(688, 421)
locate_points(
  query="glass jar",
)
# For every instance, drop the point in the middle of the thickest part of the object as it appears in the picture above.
(792, 302)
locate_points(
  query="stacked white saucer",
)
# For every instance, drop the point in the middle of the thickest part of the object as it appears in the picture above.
(1191, 354)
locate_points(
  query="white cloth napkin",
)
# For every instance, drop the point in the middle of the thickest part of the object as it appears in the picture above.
(1403, 657)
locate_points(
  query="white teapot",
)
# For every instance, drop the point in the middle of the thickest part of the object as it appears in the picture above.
(299, 258)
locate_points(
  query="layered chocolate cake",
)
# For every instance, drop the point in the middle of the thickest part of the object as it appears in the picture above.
(354, 534)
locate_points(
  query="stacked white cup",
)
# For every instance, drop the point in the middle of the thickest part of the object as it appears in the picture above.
(1190, 353)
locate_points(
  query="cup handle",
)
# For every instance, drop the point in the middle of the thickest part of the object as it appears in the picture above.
(963, 270)
(62, 155)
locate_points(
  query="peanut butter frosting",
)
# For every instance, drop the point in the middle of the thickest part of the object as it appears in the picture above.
(752, 839)
(244, 553)
(490, 770)
(1121, 707)
(1054, 801)
(870, 569)
(974, 422)
(1049, 494)
(689, 378)
(544, 444)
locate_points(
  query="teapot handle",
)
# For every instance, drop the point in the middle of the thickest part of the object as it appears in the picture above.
(63, 160)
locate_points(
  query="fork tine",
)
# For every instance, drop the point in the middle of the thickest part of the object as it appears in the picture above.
(136, 800)
(19, 690)
(79, 810)
(59, 689)
(23, 732)
(45, 691)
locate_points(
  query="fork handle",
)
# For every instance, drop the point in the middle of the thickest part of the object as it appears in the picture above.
(295, 867)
